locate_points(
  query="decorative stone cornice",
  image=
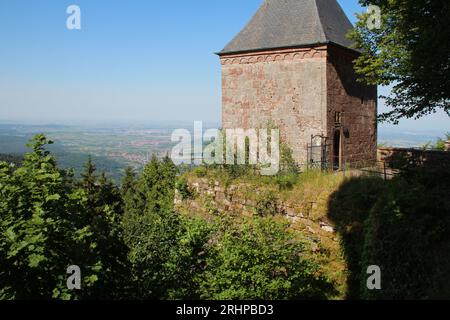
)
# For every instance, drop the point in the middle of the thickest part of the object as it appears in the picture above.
(275, 55)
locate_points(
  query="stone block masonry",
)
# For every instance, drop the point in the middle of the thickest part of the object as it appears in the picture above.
(285, 87)
(357, 105)
(300, 91)
(242, 199)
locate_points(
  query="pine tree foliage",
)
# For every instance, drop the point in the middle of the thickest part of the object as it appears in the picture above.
(129, 242)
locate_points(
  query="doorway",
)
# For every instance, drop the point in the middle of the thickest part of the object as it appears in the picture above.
(337, 150)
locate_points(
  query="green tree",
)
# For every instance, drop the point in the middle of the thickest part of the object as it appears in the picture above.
(259, 259)
(407, 234)
(11, 158)
(128, 181)
(155, 188)
(48, 222)
(152, 231)
(88, 175)
(107, 251)
(410, 52)
(187, 259)
(169, 177)
(42, 229)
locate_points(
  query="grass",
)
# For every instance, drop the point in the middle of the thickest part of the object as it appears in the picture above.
(402, 225)
(306, 193)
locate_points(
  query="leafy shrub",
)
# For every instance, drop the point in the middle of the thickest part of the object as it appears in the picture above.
(49, 222)
(407, 235)
(151, 230)
(183, 188)
(259, 259)
(266, 204)
(200, 171)
(129, 242)
(210, 205)
(349, 208)
(286, 181)
(187, 258)
(402, 226)
(287, 162)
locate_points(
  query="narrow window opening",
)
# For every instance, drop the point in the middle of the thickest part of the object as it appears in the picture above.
(338, 118)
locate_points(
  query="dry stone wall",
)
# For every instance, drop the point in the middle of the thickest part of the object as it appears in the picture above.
(213, 197)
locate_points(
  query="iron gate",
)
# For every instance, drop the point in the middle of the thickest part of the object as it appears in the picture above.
(318, 152)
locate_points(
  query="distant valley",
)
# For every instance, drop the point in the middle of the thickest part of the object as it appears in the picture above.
(113, 148)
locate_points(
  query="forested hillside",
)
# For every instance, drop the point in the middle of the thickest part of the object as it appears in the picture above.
(130, 241)
(11, 158)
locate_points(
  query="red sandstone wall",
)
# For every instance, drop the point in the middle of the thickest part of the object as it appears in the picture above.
(286, 87)
(358, 105)
(300, 90)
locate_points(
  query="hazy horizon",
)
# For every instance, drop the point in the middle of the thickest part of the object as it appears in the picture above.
(435, 123)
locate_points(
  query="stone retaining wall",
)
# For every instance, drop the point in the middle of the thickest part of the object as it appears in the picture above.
(243, 199)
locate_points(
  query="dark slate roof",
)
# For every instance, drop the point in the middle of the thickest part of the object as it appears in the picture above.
(293, 23)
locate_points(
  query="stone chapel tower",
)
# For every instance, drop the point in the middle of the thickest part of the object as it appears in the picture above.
(292, 65)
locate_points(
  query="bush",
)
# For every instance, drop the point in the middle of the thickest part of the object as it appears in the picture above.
(407, 234)
(402, 226)
(183, 188)
(200, 171)
(287, 162)
(259, 259)
(130, 243)
(187, 258)
(286, 182)
(48, 222)
(266, 204)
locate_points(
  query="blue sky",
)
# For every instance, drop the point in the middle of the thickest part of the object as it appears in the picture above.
(133, 60)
